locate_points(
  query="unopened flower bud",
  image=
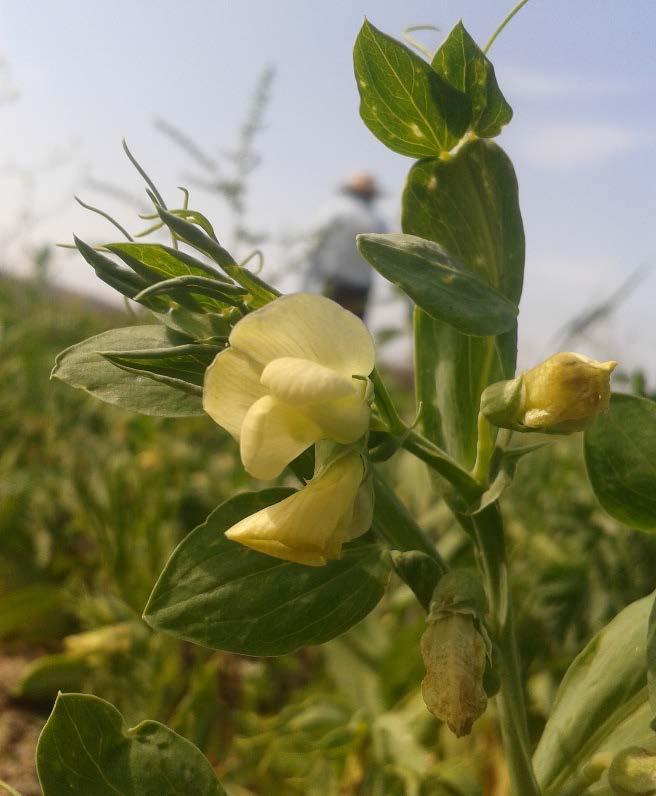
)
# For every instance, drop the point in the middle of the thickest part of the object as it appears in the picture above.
(454, 655)
(455, 648)
(633, 771)
(563, 394)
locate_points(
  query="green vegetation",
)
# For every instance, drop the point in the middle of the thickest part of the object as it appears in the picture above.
(93, 500)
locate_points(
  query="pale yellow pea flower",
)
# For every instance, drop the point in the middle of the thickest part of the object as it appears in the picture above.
(295, 373)
(310, 526)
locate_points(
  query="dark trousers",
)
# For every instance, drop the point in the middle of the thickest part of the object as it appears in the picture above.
(352, 297)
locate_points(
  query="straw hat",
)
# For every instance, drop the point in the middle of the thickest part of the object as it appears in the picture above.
(363, 183)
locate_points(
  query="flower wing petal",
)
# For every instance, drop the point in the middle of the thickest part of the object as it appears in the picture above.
(310, 327)
(272, 435)
(232, 385)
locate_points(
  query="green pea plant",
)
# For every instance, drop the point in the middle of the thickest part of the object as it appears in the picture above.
(293, 380)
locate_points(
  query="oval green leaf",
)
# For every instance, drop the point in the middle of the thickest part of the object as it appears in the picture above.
(620, 456)
(439, 284)
(602, 705)
(465, 66)
(403, 101)
(85, 748)
(84, 367)
(222, 595)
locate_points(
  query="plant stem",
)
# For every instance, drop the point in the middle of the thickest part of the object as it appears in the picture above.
(425, 345)
(489, 533)
(443, 464)
(503, 24)
(484, 451)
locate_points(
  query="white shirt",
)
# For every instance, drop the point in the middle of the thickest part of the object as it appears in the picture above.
(334, 254)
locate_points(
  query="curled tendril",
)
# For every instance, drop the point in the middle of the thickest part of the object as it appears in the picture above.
(410, 40)
(104, 215)
(257, 253)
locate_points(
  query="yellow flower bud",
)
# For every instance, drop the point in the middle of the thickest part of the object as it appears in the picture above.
(310, 526)
(633, 771)
(454, 656)
(295, 373)
(563, 394)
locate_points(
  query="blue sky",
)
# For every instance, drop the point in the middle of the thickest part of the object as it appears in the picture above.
(581, 77)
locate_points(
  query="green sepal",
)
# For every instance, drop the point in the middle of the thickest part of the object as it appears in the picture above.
(459, 591)
(501, 403)
(419, 571)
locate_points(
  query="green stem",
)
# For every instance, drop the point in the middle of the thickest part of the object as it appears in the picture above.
(424, 365)
(443, 464)
(484, 451)
(503, 24)
(489, 533)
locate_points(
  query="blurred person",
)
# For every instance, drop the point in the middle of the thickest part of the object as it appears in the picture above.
(335, 267)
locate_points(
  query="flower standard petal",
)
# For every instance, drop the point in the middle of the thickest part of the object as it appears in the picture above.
(272, 435)
(232, 385)
(307, 326)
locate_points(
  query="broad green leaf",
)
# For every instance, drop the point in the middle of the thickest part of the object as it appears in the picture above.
(439, 284)
(403, 101)
(155, 262)
(222, 595)
(620, 456)
(602, 704)
(84, 367)
(85, 748)
(468, 204)
(651, 662)
(185, 364)
(462, 63)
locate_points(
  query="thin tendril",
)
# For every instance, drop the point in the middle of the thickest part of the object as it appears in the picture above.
(139, 168)
(104, 215)
(414, 43)
(257, 253)
(185, 193)
(503, 24)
